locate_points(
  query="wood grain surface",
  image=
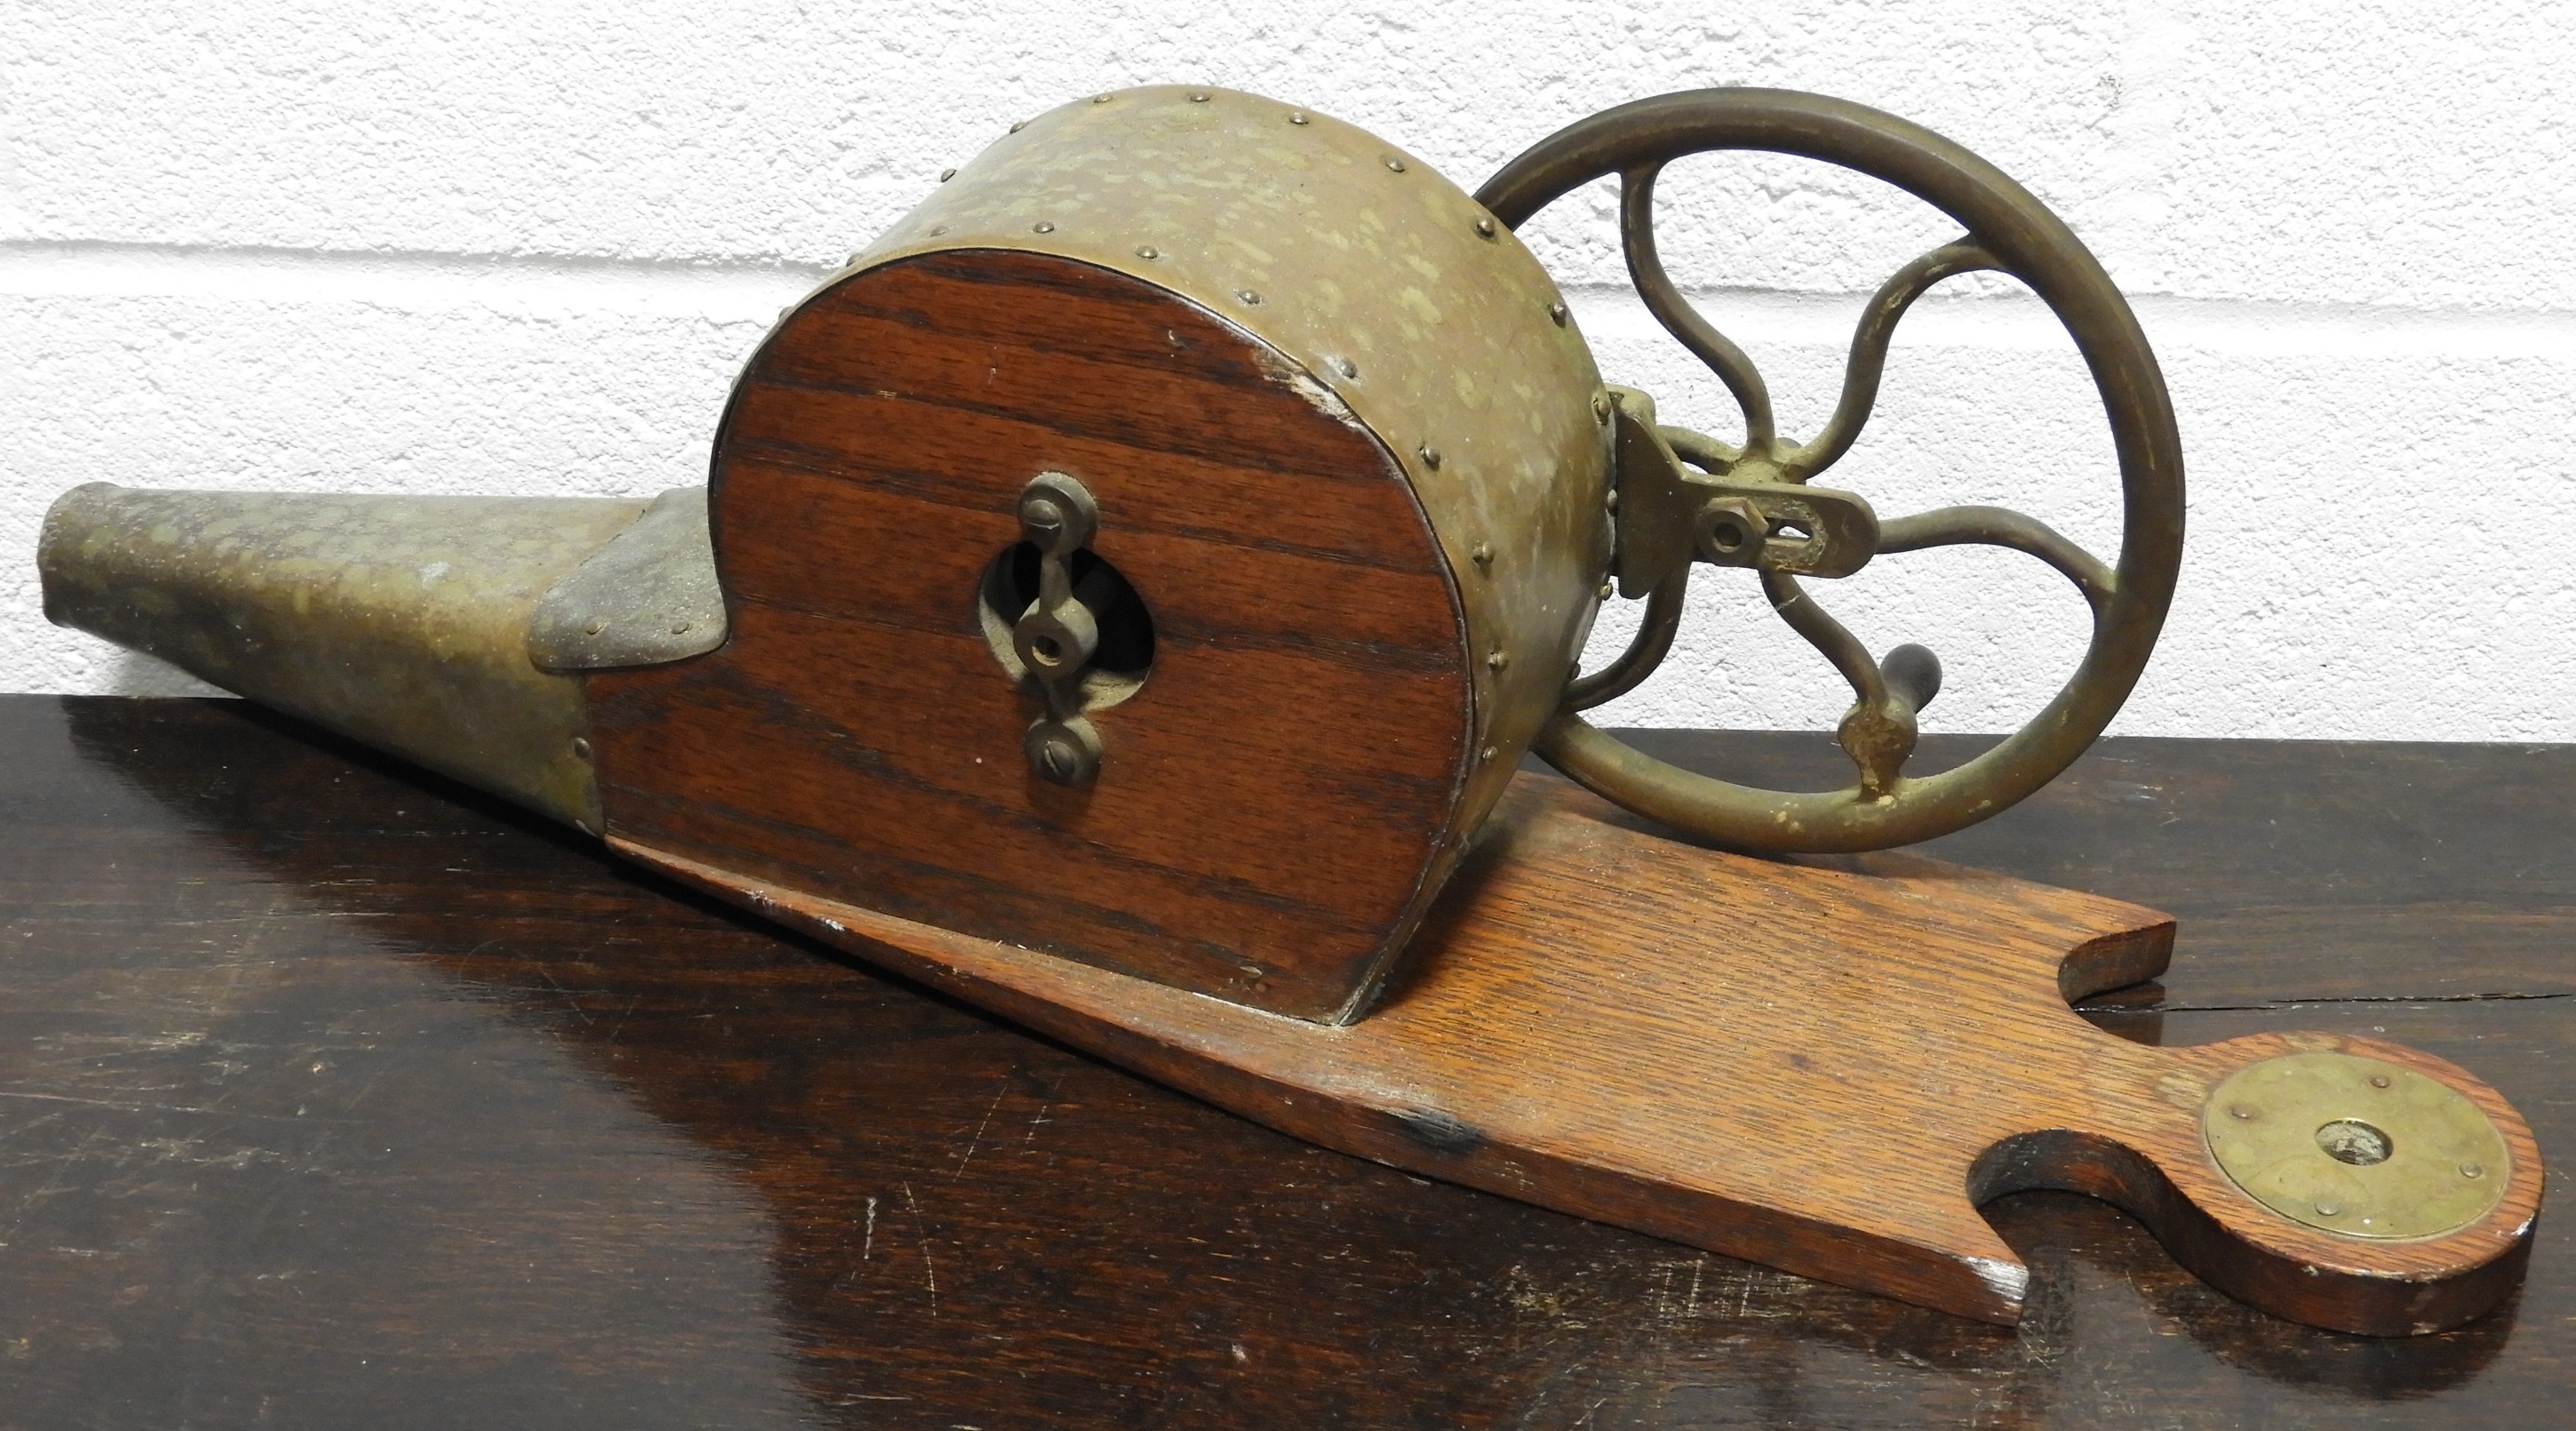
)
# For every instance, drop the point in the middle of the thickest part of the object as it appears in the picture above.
(857, 733)
(337, 1095)
(1743, 1055)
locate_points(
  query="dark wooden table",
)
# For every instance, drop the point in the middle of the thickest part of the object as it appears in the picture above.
(334, 1096)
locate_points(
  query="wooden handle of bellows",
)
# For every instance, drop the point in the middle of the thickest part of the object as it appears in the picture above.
(2345, 1182)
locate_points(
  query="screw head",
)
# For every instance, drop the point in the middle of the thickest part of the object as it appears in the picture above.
(1297, 117)
(1483, 555)
(1430, 456)
(947, 174)
(580, 748)
(2472, 1170)
(1394, 165)
(1198, 96)
(1556, 314)
(1248, 298)
(1488, 753)
(1042, 517)
(1346, 367)
(1146, 250)
(1607, 590)
(2379, 1080)
(1484, 228)
(1018, 125)
(1497, 660)
(2329, 1209)
(1062, 752)
(1042, 226)
(1600, 407)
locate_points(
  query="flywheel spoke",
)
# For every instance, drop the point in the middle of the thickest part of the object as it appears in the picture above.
(2002, 527)
(1868, 360)
(1646, 271)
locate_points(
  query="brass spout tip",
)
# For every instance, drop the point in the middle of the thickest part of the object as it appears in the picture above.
(399, 621)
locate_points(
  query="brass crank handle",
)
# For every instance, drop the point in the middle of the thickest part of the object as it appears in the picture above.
(2010, 231)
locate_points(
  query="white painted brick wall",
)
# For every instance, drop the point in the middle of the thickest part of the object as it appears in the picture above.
(521, 247)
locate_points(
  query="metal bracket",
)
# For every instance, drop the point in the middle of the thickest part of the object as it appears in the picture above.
(1747, 516)
(1057, 636)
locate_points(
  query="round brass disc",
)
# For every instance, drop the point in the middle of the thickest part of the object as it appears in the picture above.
(2356, 1146)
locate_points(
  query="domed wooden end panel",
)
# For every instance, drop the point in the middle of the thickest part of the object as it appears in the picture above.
(1272, 800)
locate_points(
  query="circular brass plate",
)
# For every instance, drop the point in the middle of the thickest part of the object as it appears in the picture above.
(2445, 1165)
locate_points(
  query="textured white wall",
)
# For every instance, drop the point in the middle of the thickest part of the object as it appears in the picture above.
(522, 247)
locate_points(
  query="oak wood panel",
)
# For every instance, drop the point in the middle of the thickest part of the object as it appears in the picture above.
(1698, 1044)
(649, 1158)
(857, 739)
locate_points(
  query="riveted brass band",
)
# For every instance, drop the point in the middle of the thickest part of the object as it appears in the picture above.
(1391, 297)
(2356, 1146)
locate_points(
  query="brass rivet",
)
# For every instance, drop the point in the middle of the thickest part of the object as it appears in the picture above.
(1430, 456)
(1484, 228)
(1146, 250)
(679, 628)
(1250, 298)
(1019, 125)
(852, 261)
(1606, 591)
(1556, 311)
(594, 628)
(2472, 1170)
(2379, 1080)
(1042, 226)
(1100, 99)
(1483, 555)
(1600, 407)
(580, 748)
(947, 174)
(1497, 660)
(1610, 501)
(2329, 1209)
(937, 229)
(1198, 96)
(1347, 368)
(1394, 164)
(1297, 117)
(2239, 1112)
(1487, 753)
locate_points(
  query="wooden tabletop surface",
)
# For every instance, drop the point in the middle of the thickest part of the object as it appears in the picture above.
(332, 1095)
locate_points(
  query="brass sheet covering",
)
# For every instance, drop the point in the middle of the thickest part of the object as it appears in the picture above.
(399, 621)
(1396, 300)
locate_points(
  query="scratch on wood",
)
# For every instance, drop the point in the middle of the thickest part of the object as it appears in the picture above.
(868, 1239)
(998, 1095)
(929, 1272)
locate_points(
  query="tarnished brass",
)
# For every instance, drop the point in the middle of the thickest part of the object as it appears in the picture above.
(1368, 273)
(2007, 231)
(399, 621)
(651, 595)
(2356, 1146)
(1747, 517)
(1390, 300)
(1057, 635)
